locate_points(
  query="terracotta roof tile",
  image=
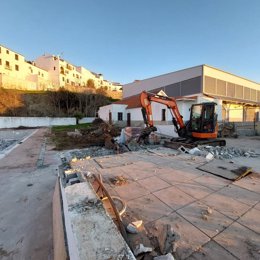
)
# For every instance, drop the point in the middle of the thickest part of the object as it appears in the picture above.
(131, 102)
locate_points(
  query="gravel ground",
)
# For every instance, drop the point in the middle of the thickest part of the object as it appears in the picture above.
(11, 137)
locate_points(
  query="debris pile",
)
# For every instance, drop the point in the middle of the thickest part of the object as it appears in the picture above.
(101, 133)
(227, 129)
(223, 152)
(219, 152)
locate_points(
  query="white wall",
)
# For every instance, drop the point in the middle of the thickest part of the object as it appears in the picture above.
(13, 122)
(184, 106)
(85, 120)
(136, 87)
(114, 109)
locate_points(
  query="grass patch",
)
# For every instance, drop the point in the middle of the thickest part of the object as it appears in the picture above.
(67, 128)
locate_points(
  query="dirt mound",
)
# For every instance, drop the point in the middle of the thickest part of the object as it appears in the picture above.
(98, 121)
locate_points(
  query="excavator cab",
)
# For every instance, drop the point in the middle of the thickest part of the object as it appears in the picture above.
(203, 121)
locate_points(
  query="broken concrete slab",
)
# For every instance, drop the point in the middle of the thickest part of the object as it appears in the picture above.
(93, 234)
(191, 238)
(225, 169)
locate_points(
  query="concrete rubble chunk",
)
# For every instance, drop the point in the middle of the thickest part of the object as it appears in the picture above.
(166, 238)
(223, 152)
(169, 256)
(209, 157)
(142, 249)
(182, 149)
(195, 151)
(131, 229)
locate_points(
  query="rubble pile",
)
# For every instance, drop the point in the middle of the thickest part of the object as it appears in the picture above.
(5, 143)
(93, 151)
(98, 134)
(223, 152)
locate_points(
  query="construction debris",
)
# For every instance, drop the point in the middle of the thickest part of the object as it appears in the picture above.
(166, 238)
(142, 249)
(118, 180)
(133, 226)
(222, 152)
(206, 213)
(227, 129)
(131, 229)
(218, 152)
(169, 256)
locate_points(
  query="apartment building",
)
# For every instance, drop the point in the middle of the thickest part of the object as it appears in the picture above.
(17, 73)
(64, 73)
(48, 72)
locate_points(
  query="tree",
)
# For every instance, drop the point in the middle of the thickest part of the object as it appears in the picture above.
(90, 83)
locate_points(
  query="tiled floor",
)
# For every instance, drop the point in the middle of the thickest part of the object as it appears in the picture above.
(215, 218)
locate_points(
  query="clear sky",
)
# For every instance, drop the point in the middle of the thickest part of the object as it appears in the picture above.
(136, 39)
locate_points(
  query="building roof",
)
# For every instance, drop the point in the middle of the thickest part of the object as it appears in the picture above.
(131, 102)
(1, 45)
(134, 101)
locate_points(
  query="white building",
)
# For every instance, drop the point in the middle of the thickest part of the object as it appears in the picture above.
(237, 98)
(17, 73)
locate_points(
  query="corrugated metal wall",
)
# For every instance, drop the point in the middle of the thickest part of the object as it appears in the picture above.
(227, 89)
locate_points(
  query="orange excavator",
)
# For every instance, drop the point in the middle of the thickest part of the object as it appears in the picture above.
(202, 128)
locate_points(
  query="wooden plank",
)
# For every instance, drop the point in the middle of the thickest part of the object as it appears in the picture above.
(59, 247)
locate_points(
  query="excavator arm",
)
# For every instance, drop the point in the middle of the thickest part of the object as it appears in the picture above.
(147, 98)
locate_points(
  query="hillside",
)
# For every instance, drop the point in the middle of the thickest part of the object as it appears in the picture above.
(59, 103)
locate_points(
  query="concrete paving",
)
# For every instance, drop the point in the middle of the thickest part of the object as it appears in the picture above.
(214, 217)
(27, 180)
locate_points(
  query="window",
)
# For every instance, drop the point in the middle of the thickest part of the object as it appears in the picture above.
(0, 49)
(163, 114)
(16, 56)
(0, 62)
(16, 67)
(63, 79)
(120, 116)
(7, 52)
(7, 64)
(39, 73)
(54, 68)
(68, 81)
